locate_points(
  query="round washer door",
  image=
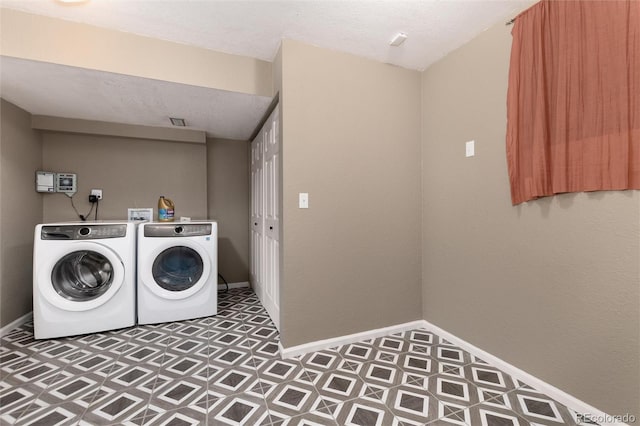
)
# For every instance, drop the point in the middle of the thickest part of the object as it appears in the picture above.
(83, 277)
(176, 269)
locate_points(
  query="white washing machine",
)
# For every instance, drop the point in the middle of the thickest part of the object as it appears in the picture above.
(83, 278)
(177, 271)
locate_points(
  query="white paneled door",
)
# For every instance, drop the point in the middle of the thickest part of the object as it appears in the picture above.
(265, 216)
(257, 216)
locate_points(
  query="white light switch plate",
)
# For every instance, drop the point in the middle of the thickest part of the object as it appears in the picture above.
(303, 200)
(470, 149)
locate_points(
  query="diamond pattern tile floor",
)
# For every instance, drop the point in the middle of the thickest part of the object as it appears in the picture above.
(226, 370)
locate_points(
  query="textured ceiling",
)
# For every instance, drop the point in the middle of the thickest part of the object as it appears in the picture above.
(62, 91)
(251, 28)
(255, 27)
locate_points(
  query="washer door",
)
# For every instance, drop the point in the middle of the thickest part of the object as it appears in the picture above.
(176, 269)
(84, 277)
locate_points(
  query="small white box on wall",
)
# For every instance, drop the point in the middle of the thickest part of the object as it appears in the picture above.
(140, 214)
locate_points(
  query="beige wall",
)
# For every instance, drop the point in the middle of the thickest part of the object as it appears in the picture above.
(131, 173)
(106, 128)
(228, 203)
(551, 286)
(40, 38)
(20, 211)
(351, 139)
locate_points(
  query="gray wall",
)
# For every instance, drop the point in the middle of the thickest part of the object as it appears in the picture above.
(351, 139)
(131, 173)
(228, 203)
(20, 210)
(551, 286)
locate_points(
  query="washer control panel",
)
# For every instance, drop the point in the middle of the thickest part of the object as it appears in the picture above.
(82, 232)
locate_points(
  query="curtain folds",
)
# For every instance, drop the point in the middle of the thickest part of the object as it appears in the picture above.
(573, 103)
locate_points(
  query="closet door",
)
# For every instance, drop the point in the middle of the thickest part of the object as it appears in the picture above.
(271, 154)
(257, 217)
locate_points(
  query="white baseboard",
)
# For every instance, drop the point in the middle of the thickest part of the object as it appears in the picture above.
(240, 284)
(344, 340)
(536, 383)
(15, 324)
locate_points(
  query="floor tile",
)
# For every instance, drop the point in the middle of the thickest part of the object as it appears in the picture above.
(293, 398)
(192, 415)
(233, 356)
(178, 392)
(358, 412)
(321, 360)
(91, 361)
(450, 354)
(52, 416)
(488, 414)
(185, 364)
(239, 410)
(226, 324)
(145, 416)
(391, 343)
(411, 405)
(112, 407)
(449, 413)
(418, 364)
(359, 352)
(489, 378)
(78, 388)
(15, 400)
(131, 375)
(227, 369)
(454, 390)
(278, 369)
(341, 385)
(537, 408)
(266, 349)
(314, 418)
(233, 380)
(380, 374)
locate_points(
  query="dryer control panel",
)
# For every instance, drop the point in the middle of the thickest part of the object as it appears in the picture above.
(173, 230)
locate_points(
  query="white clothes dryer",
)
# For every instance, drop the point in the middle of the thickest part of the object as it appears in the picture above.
(177, 271)
(83, 278)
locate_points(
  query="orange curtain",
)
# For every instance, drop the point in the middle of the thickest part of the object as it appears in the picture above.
(573, 103)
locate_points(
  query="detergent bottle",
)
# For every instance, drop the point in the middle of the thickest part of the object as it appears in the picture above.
(166, 209)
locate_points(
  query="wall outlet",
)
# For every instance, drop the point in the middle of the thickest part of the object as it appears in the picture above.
(97, 193)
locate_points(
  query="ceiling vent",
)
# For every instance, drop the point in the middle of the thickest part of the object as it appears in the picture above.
(178, 121)
(398, 39)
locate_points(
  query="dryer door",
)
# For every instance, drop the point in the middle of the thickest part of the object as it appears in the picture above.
(176, 269)
(84, 277)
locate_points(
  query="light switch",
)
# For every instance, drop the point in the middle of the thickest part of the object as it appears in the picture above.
(470, 148)
(303, 200)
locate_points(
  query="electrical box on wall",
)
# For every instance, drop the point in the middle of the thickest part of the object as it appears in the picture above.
(45, 181)
(67, 183)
